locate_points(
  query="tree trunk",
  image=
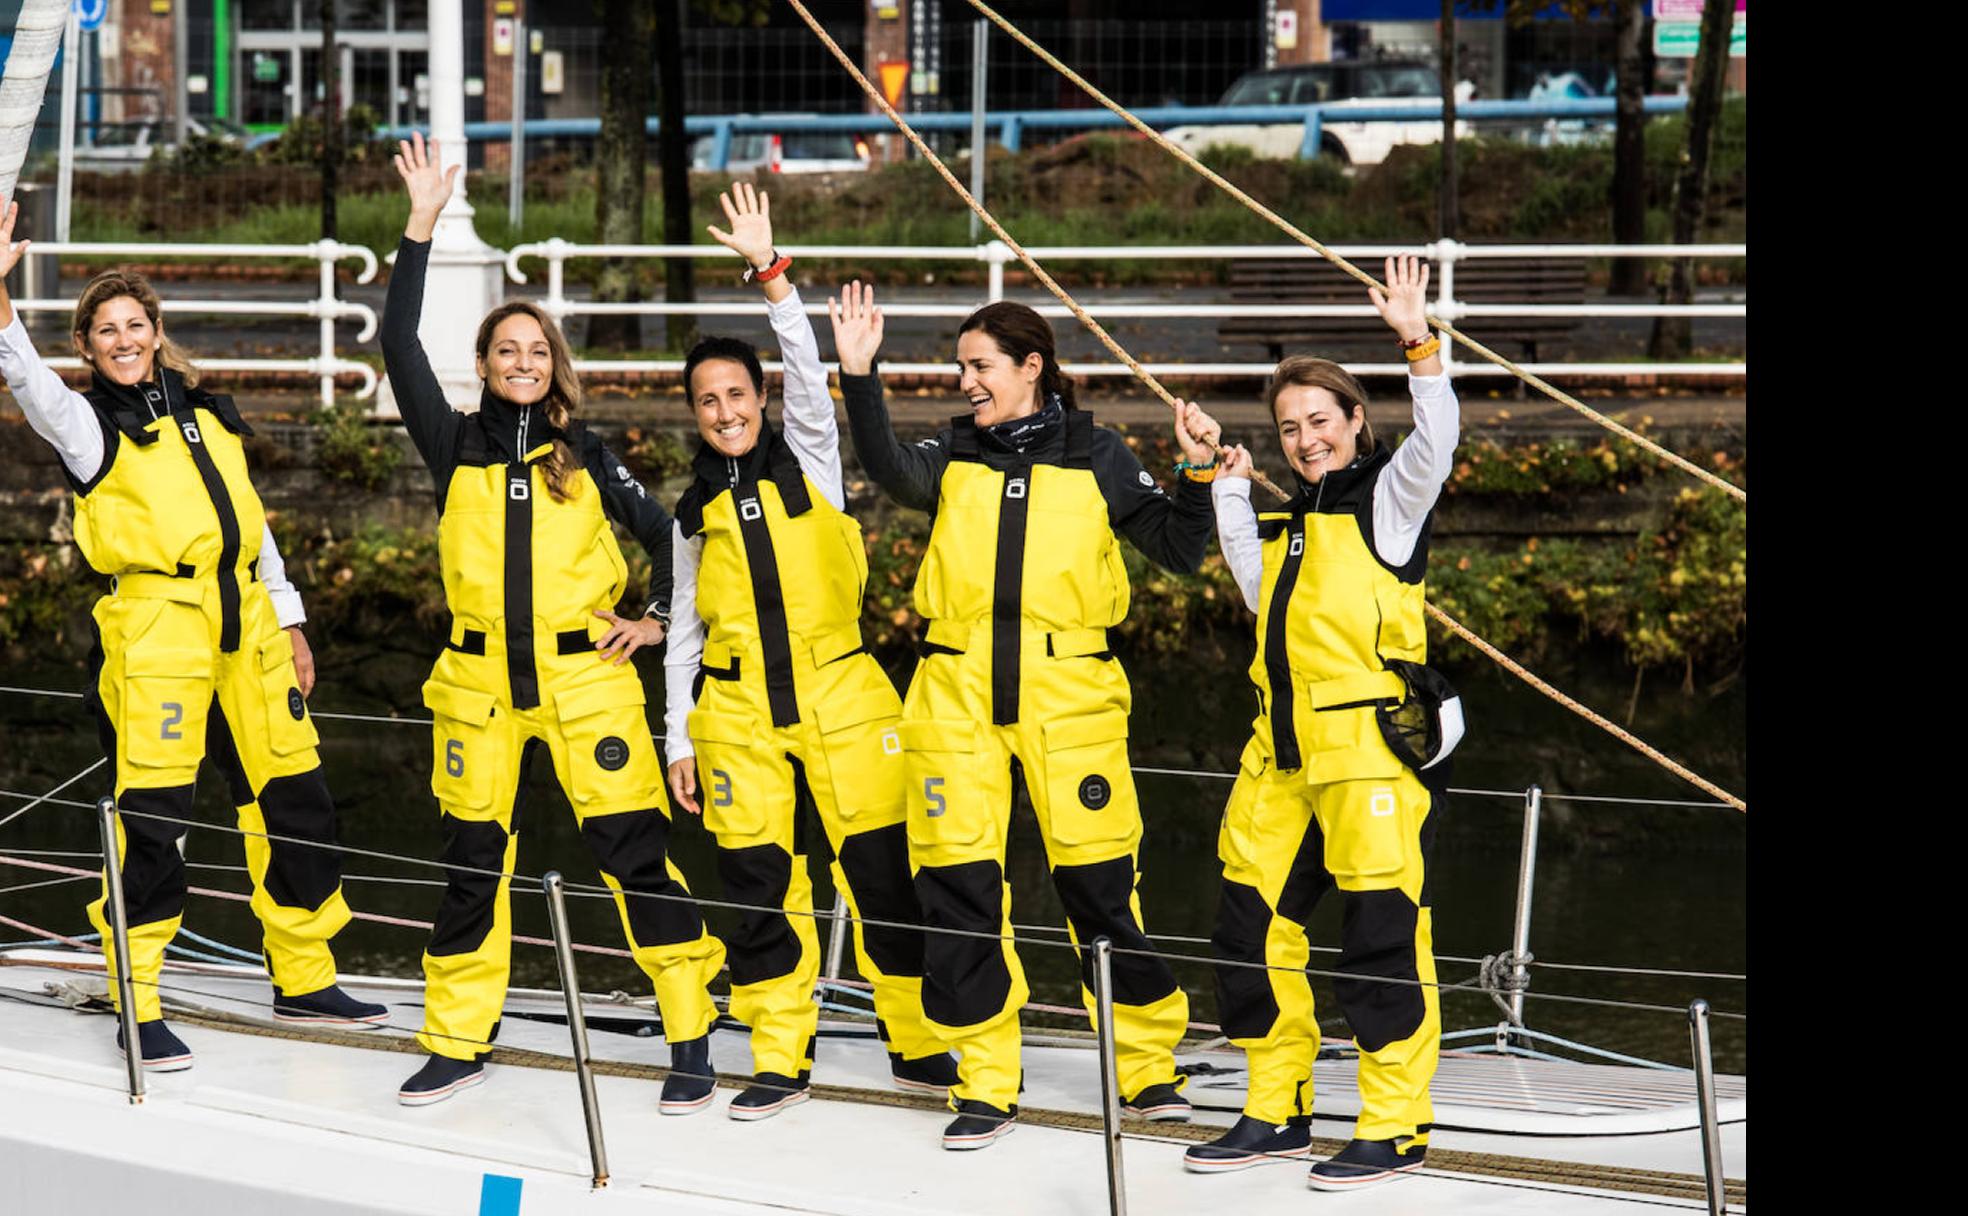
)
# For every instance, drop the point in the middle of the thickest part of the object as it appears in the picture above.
(619, 160)
(331, 119)
(1673, 337)
(1450, 211)
(1633, 68)
(672, 151)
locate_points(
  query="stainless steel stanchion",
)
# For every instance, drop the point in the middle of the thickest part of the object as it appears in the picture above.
(119, 936)
(1705, 1099)
(836, 939)
(1520, 938)
(577, 1026)
(1110, 1086)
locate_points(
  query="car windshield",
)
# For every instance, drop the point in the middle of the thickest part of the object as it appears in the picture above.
(818, 145)
(121, 135)
(1262, 89)
(1399, 81)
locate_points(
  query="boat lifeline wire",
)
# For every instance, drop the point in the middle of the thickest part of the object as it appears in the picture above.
(865, 921)
(1155, 385)
(1291, 230)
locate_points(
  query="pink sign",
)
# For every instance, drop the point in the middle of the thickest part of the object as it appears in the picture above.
(1685, 10)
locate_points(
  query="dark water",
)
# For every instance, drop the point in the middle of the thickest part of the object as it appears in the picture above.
(1618, 885)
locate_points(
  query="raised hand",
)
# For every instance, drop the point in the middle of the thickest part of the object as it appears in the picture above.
(427, 181)
(857, 328)
(1236, 462)
(1404, 306)
(10, 251)
(1196, 433)
(749, 213)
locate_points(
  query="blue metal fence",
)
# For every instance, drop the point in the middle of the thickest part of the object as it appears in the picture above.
(1010, 125)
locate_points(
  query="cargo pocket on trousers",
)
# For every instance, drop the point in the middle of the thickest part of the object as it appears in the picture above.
(863, 742)
(736, 783)
(1236, 845)
(167, 695)
(948, 804)
(610, 756)
(289, 728)
(463, 757)
(1089, 786)
(1367, 831)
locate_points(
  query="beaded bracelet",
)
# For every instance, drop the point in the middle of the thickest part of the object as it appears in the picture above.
(1191, 471)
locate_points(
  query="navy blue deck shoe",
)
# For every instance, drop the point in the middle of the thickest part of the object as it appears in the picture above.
(1365, 1163)
(692, 1079)
(438, 1079)
(977, 1124)
(930, 1074)
(1162, 1103)
(1249, 1142)
(163, 1051)
(767, 1095)
(328, 1007)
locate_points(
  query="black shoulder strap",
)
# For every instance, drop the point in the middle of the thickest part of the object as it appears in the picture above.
(784, 468)
(963, 438)
(121, 414)
(222, 406)
(1079, 439)
(689, 513)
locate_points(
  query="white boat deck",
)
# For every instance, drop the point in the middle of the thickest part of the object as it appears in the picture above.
(266, 1124)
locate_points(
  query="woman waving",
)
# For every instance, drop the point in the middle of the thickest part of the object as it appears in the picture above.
(1018, 685)
(526, 498)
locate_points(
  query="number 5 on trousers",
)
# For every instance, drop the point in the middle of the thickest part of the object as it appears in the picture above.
(933, 794)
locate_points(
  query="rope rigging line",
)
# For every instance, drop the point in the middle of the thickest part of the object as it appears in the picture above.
(1094, 327)
(1155, 385)
(1291, 230)
(100, 761)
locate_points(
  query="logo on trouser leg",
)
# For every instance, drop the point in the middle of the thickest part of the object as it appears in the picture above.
(296, 707)
(1094, 792)
(611, 753)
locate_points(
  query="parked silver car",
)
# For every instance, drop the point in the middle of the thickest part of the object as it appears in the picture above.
(1342, 84)
(788, 152)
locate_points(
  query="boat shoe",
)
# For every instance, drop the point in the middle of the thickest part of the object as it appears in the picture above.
(977, 1124)
(163, 1051)
(438, 1079)
(767, 1095)
(1249, 1142)
(1365, 1163)
(328, 1007)
(1162, 1103)
(930, 1074)
(692, 1080)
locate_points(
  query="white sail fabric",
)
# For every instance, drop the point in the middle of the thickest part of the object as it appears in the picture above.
(24, 83)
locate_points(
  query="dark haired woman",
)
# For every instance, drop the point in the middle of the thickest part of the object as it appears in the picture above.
(532, 574)
(1018, 683)
(771, 694)
(199, 651)
(1340, 778)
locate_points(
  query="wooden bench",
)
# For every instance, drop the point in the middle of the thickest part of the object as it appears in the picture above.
(1477, 281)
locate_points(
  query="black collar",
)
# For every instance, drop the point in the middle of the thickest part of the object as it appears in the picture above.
(1338, 489)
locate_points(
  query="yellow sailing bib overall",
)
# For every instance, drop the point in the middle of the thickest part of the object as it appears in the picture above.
(523, 574)
(1021, 581)
(790, 703)
(1322, 802)
(191, 665)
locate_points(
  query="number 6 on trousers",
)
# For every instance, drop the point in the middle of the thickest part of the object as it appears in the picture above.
(454, 757)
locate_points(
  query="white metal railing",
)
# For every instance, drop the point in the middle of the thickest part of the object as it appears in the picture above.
(995, 254)
(326, 307)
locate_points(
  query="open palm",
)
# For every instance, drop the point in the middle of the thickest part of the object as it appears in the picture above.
(424, 176)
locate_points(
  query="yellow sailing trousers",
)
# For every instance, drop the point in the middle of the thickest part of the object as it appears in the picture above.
(1069, 748)
(846, 753)
(166, 697)
(1284, 843)
(591, 719)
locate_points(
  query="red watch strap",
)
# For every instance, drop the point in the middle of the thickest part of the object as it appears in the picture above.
(777, 268)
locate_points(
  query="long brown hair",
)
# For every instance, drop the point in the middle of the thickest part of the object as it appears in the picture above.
(1021, 332)
(108, 286)
(1305, 371)
(563, 389)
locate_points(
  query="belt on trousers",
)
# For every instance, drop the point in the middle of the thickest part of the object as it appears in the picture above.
(184, 586)
(566, 642)
(953, 637)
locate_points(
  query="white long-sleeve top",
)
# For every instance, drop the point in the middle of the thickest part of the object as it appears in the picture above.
(813, 434)
(1402, 498)
(72, 427)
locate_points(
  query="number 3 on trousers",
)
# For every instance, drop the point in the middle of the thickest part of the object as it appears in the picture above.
(454, 757)
(933, 794)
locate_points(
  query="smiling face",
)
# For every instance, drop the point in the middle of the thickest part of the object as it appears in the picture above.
(997, 387)
(1317, 431)
(727, 405)
(517, 364)
(120, 341)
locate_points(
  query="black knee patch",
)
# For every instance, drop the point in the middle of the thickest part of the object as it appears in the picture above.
(1308, 881)
(764, 947)
(877, 867)
(1244, 999)
(1096, 899)
(465, 917)
(1376, 943)
(220, 750)
(299, 807)
(153, 869)
(633, 849)
(965, 979)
